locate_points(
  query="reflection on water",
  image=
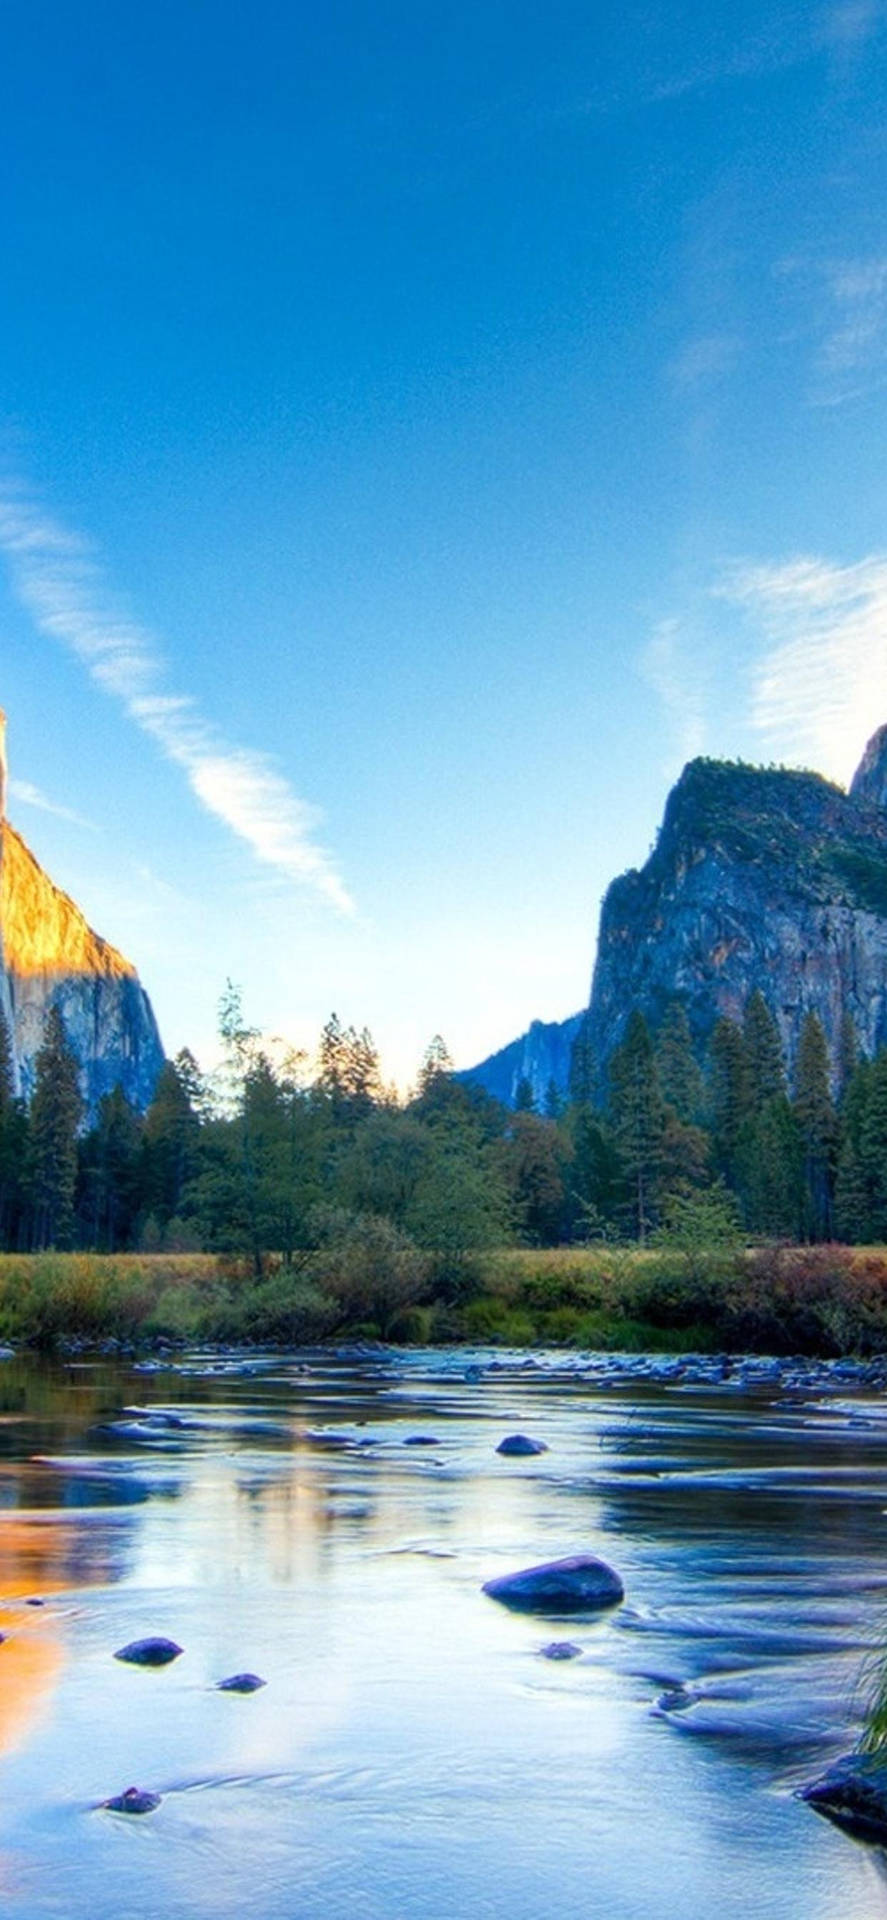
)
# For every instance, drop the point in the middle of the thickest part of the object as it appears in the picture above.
(413, 1754)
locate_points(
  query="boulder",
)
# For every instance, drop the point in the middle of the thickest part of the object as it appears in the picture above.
(516, 1445)
(853, 1793)
(155, 1652)
(241, 1683)
(134, 1800)
(579, 1584)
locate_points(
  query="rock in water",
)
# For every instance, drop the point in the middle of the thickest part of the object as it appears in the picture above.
(853, 1793)
(241, 1683)
(134, 1800)
(560, 1650)
(154, 1652)
(579, 1584)
(49, 956)
(517, 1445)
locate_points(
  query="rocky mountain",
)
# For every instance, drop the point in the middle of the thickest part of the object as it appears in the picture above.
(541, 1056)
(50, 956)
(760, 878)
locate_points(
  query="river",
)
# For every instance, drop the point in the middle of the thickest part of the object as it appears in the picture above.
(414, 1754)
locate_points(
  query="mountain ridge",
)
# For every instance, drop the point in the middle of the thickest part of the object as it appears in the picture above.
(769, 878)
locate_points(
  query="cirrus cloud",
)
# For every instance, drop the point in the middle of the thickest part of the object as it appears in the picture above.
(60, 582)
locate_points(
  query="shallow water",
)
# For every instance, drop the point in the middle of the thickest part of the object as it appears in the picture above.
(414, 1755)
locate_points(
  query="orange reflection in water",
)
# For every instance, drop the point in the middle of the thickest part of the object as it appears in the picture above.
(32, 1653)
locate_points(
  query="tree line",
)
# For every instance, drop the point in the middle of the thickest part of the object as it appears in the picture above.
(268, 1158)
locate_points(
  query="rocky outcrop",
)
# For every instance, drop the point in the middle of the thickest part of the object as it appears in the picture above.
(760, 878)
(541, 1057)
(49, 956)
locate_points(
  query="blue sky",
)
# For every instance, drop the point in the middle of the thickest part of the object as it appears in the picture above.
(421, 429)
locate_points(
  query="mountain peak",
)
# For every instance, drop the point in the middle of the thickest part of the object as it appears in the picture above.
(869, 784)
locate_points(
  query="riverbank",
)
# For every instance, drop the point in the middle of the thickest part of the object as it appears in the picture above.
(820, 1301)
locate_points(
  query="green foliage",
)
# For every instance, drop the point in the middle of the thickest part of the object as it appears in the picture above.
(55, 1114)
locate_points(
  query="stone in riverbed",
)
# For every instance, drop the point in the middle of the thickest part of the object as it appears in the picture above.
(853, 1793)
(134, 1800)
(155, 1652)
(241, 1683)
(516, 1445)
(579, 1584)
(560, 1650)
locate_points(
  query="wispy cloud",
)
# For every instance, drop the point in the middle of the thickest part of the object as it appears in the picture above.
(820, 687)
(62, 585)
(850, 24)
(844, 316)
(703, 360)
(31, 796)
(669, 669)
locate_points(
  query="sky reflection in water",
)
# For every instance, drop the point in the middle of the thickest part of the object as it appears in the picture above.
(413, 1755)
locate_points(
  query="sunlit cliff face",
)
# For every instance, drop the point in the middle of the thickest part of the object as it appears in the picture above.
(43, 932)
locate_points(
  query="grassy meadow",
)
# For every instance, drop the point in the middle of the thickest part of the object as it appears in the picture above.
(825, 1300)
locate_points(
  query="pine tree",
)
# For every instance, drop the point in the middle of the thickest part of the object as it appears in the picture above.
(679, 1077)
(171, 1139)
(852, 1198)
(873, 1145)
(816, 1117)
(524, 1097)
(729, 1096)
(55, 1114)
(436, 1062)
(581, 1082)
(638, 1118)
(848, 1052)
(770, 1170)
(763, 1052)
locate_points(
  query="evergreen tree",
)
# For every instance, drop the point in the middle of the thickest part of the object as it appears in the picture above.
(532, 1159)
(770, 1170)
(110, 1170)
(55, 1114)
(171, 1138)
(436, 1063)
(848, 1052)
(637, 1116)
(593, 1175)
(853, 1211)
(873, 1146)
(581, 1081)
(729, 1099)
(816, 1117)
(763, 1052)
(679, 1077)
(524, 1098)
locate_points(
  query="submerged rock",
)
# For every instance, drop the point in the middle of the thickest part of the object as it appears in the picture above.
(579, 1584)
(153, 1652)
(134, 1800)
(241, 1683)
(515, 1445)
(560, 1650)
(421, 1440)
(853, 1793)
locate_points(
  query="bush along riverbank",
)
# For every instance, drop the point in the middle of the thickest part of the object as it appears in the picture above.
(824, 1302)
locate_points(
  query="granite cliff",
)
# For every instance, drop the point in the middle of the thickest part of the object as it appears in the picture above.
(760, 878)
(541, 1057)
(50, 956)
